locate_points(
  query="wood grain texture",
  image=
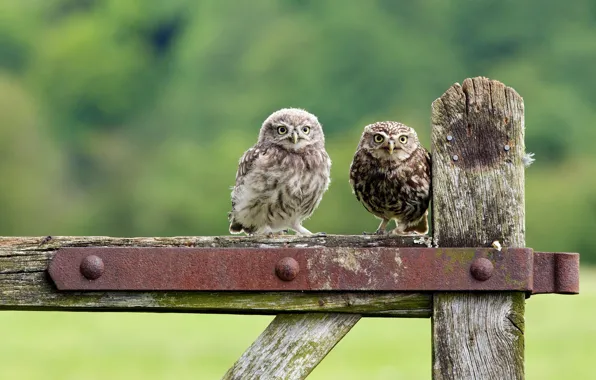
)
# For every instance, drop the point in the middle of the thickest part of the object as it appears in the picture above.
(478, 197)
(292, 346)
(478, 336)
(24, 284)
(289, 348)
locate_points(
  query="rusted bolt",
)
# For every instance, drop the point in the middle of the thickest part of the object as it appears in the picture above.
(455, 157)
(481, 269)
(506, 147)
(287, 269)
(92, 267)
(449, 137)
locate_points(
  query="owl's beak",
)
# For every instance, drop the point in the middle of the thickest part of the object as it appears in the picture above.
(294, 137)
(391, 146)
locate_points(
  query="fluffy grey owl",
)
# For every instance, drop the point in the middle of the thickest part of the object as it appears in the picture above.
(282, 178)
(390, 175)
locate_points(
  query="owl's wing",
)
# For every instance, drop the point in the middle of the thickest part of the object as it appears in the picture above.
(427, 158)
(355, 168)
(247, 162)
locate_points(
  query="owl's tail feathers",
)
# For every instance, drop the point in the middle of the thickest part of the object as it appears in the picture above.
(236, 228)
(420, 227)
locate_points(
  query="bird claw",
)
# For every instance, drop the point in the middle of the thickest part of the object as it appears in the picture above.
(271, 234)
(366, 233)
(405, 233)
(320, 234)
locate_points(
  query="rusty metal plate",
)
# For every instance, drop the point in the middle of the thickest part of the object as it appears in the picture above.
(307, 269)
(556, 272)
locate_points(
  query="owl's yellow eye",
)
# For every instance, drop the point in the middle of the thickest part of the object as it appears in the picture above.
(306, 129)
(379, 138)
(403, 139)
(282, 130)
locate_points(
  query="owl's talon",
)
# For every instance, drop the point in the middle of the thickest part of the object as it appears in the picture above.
(272, 234)
(320, 234)
(301, 230)
(397, 232)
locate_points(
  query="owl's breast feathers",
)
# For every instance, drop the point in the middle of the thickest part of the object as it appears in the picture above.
(276, 187)
(263, 157)
(391, 189)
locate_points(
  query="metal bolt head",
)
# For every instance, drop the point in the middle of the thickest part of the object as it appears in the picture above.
(455, 157)
(287, 269)
(482, 269)
(506, 147)
(92, 267)
(449, 137)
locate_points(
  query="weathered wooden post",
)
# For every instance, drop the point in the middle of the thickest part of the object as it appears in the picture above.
(478, 197)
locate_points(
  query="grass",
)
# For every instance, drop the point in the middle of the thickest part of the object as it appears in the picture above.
(560, 343)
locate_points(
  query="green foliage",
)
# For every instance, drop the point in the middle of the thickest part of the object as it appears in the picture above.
(28, 158)
(128, 117)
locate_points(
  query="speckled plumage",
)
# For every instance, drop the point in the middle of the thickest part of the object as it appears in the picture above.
(282, 178)
(393, 183)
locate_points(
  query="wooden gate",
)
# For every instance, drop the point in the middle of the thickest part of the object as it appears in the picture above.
(471, 278)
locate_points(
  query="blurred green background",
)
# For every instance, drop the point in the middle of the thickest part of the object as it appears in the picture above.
(127, 118)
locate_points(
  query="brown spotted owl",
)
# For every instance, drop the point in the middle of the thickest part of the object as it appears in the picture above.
(281, 179)
(390, 176)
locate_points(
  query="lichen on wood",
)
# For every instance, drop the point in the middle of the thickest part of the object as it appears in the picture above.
(24, 284)
(292, 346)
(307, 327)
(478, 197)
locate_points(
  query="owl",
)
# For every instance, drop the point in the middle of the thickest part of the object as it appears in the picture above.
(390, 176)
(281, 179)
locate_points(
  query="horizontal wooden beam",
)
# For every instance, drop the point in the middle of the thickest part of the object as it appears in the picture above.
(24, 283)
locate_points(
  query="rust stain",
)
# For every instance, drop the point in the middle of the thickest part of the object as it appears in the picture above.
(347, 258)
(312, 269)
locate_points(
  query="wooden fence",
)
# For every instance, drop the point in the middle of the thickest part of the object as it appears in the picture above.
(478, 198)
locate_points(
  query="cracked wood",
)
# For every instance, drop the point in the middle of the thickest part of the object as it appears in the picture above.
(478, 198)
(24, 284)
(292, 346)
